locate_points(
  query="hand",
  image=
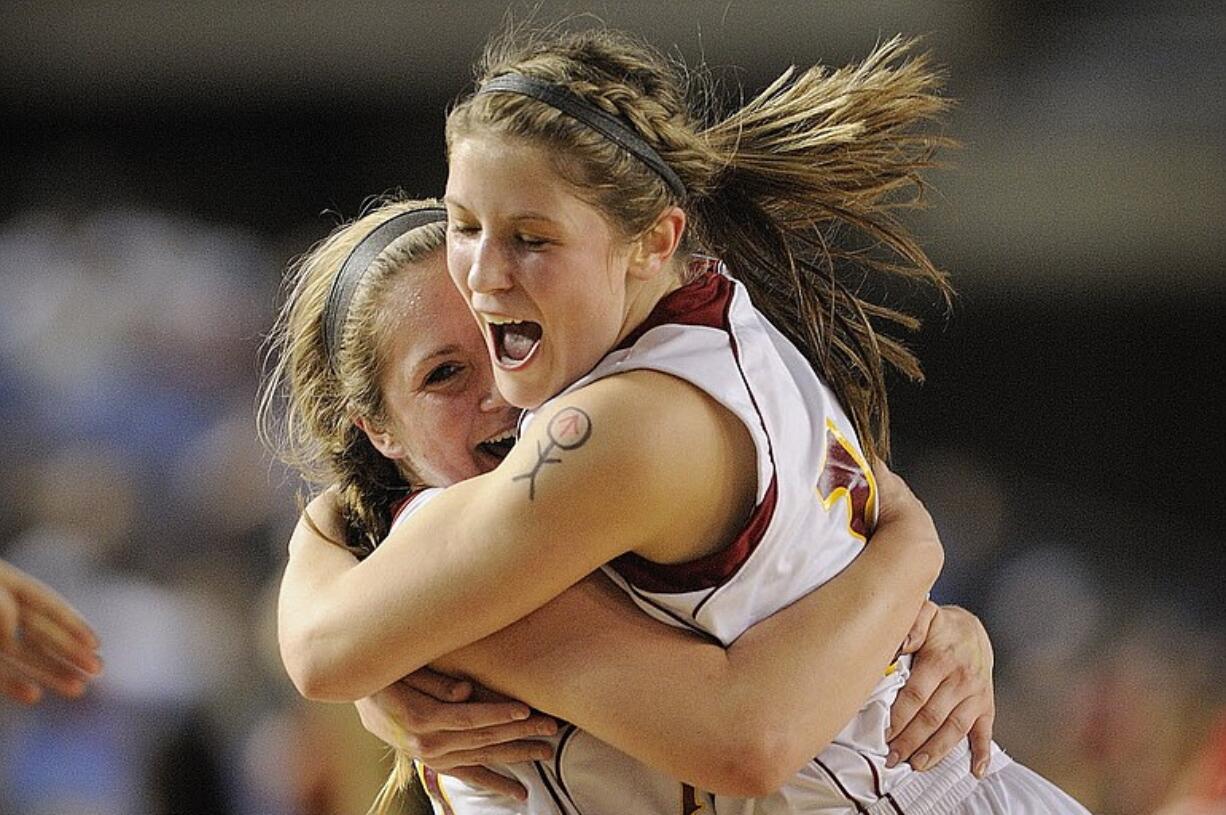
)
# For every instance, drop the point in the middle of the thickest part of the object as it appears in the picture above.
(427, 715)
(906, 515)
(323, 513)
(44, 642)
(949, 693)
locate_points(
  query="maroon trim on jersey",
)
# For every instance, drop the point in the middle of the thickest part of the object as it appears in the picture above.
(704, 301)
(668, 612)
(860, 808)
(433, 787)
(557, 801)
(705, 572)
(557, 765)
(872, 768)
(403, 504)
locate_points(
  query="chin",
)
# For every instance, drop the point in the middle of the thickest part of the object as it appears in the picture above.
(521, 394)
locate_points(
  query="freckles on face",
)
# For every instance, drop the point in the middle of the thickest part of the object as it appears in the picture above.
(540, 267)
(437, 384)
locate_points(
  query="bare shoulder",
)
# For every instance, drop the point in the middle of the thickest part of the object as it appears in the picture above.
(640, 419)
(644, 443)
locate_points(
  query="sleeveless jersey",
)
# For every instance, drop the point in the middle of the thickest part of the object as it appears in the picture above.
(816, 502)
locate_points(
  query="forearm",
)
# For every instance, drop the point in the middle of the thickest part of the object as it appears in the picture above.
(310, 650)
(736, 721)
(491, 550)
(325, 591)
(798, 677)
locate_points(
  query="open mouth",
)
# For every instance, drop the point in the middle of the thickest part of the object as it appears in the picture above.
(514, 341)
(499, 445)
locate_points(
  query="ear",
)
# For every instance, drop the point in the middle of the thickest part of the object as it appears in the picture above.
(384, 442)
(653, 252)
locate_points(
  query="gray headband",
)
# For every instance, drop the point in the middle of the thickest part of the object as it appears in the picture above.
(607, 125)
(336, 309)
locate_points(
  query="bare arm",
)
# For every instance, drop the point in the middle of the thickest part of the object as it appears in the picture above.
(491, 550)
(737, 721)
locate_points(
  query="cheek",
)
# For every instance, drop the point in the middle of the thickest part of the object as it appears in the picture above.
(443, 456)
(457, 266)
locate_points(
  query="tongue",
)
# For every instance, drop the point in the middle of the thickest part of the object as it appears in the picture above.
(518, 339)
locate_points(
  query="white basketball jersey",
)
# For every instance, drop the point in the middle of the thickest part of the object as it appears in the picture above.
(816, 504)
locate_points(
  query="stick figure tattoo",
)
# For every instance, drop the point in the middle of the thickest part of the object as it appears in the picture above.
(569, 429)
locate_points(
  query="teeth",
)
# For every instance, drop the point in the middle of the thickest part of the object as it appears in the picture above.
(503, 436)
(492, 320)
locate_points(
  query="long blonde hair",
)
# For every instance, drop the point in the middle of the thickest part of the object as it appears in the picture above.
(797, 191)
(309, 402)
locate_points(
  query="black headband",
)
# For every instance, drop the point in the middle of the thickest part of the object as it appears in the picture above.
(346, 282)
(607, 125)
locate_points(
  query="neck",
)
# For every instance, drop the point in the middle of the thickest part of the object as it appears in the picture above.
(642, 298)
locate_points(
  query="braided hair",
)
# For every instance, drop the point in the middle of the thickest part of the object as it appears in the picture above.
(310, 399)
(797, 191)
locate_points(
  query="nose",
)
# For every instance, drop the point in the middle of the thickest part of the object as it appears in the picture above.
(489, 271)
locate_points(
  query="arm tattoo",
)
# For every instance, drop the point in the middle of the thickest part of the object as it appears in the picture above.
(569, 429)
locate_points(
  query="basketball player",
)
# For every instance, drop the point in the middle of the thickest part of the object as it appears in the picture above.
(435, 415)
(676, 431)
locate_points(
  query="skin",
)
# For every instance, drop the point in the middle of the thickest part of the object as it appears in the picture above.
(519, 249)
(44, 642)
(437, 385)
(438, 365)
(486, 552)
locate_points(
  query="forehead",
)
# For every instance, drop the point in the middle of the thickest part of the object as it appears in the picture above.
(488, 170)
(426, 309)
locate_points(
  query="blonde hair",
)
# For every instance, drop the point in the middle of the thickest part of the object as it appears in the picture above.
(309, 402)
(797, 191)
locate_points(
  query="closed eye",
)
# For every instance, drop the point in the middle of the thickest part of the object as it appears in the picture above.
(529, 242)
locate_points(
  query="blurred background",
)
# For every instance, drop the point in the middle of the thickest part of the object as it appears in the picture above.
(162, 162)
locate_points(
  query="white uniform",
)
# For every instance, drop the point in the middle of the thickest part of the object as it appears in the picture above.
(816, 502)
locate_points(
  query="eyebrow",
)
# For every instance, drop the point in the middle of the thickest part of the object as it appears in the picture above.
(446, 350)
(530, 215)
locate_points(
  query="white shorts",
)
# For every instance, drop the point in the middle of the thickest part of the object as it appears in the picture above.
(948, 789)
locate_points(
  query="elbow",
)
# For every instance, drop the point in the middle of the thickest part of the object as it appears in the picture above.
(756, 764)
(319, 686)
(315, 674)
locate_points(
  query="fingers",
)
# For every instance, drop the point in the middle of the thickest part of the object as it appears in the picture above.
(46, 670)
(892, 490)
(487, 745)
(919, 629)
(17, 687)
(912, 698)
(450, 734)
(488, 779)
(934, 733)
(507, 752)
(981, 743)
(48, 635)
(10, 614)
(439, 686)
(50, 607)
(420, 712)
